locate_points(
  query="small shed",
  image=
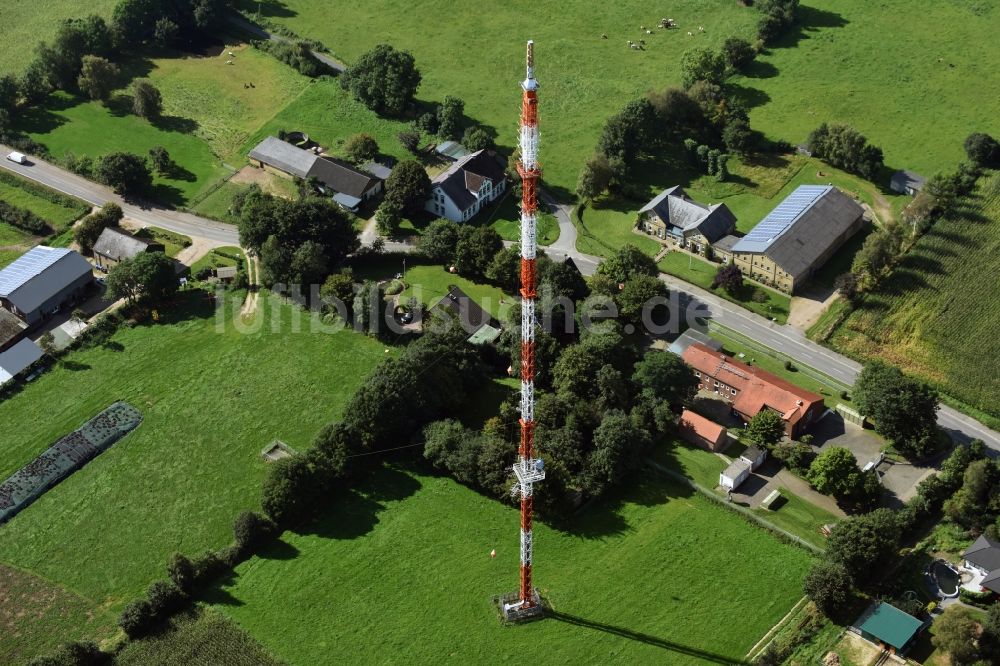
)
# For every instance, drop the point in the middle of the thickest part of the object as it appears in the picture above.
(734, 475)
(884, 623)
(114, 245)
(754, 456)
(907, 182)
(225, 273)
(702, 432)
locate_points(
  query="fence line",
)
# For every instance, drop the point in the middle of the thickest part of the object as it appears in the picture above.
(746, 513)
(829, 381)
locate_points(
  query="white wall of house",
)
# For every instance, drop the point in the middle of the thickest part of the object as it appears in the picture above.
(441, 204)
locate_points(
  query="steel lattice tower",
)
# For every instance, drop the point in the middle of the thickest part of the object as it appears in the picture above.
(528, 469)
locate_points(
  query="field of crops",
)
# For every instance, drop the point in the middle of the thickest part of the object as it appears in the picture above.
(36, 615)
(936, 315)
(637, 578)
(197, 637)
(915, 77)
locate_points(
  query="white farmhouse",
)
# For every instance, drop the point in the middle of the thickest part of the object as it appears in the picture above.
(470, 184)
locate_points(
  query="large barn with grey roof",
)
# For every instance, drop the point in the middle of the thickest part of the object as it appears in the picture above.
(798, 236)
(347, 186)
(40, 281)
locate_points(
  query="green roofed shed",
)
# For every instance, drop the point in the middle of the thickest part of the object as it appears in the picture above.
(887, 624)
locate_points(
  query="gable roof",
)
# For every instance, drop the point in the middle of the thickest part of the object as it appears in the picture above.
(757, 388)
(117, 244)
(284, 156)
(17, 358)
(675, 208)
(462, 180)
(802, 227)
(726, 243)
(736, 468)
(891, 625)
(699, 425)
(341, 177)
(40, 274)
(984, 553)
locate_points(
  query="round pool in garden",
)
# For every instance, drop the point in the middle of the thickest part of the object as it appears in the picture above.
(947, 578)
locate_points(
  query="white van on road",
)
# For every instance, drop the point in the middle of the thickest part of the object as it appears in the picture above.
(18, 158)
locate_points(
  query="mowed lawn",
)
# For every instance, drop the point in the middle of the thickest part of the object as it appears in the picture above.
(212, 395)
(26, 22)
(401, 570)
(584, 79)
(935, 316)
(915, 84)
(430, 283)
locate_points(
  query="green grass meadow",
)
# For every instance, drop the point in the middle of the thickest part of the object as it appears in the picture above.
(26, 22)
(914, 77)
(429, 284)
(213, 392)
(932, 317)
(402, 566)
(584, 79)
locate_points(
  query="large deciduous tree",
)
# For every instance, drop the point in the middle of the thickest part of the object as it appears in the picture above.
(126, 173)
(864, 544)
(384, 79)
(904, 410)
(982, 149)
(835, 472)
(627, 262)
(955, 633)
(361, 148)
(628, 133)
(765, 428)
(594, 177)
(829, 586)
(408, 185)
(475, 250)
(665, 377)
(439, 240)
(449, 116)
(147, 275)
(97, 77)
(729, 278)
(702, 64)
(846, 148)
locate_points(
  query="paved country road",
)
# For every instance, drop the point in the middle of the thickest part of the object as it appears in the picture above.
(93, 193)
(785, 339)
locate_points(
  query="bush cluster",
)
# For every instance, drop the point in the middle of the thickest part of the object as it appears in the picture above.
(23, 219)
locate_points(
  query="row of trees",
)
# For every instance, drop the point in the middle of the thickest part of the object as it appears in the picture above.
(846, 148)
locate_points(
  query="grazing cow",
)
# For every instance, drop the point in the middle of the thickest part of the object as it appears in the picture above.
(649, 32)
(642, 42)
(690, 34)
(701, 29)
(604, 36)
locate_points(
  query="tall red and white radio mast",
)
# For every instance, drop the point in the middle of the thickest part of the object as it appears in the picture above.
(528, 469)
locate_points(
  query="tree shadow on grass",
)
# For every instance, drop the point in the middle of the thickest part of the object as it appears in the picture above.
(168, 194)
(808, 20)
(176, 124)
(74, 366)
(267, 8)
(760, 69)
(750, 97)
(355, 513)
(278, 549)
(647, 639)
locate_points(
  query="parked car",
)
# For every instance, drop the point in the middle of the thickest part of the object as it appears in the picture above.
(18, 158)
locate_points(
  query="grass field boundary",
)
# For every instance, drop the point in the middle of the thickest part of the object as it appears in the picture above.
(210, 190)
(745, 513)
(822, 378)
(762, 644)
